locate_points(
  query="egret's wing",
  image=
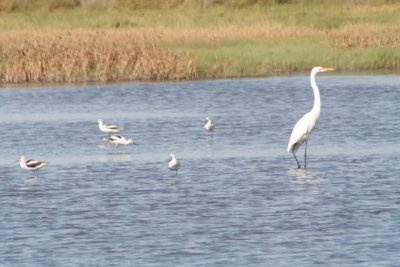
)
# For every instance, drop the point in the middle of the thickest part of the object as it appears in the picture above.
(300, 133)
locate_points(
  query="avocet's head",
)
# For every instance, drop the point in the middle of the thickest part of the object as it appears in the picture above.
(172, 155)
(130, 141)
(20, 159)
(100, 121)
(321, 69)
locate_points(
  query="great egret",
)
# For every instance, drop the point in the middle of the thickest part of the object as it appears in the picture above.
(118, 140)
(30, 164)
(305, 126)
(105, 128)
(209, 126)
(174, 163)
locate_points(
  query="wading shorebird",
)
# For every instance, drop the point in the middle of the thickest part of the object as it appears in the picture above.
(105, 128)
(209, 126)
(305, 126)
(119, 140)
(173, 163)
(31, 165)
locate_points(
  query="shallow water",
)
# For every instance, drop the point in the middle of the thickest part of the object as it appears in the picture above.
(237, 199)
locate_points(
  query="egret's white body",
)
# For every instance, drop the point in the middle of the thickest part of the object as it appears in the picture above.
(30, 164)
(174, 163)
(105, 128)
(209, 126)
(305, 126)
(118, 140)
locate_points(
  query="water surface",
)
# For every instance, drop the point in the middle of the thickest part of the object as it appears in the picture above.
(237, 199)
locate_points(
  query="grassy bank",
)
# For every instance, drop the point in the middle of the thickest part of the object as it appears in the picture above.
(190, 42)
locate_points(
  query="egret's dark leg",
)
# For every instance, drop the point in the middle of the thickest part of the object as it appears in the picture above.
(305, 157)
(298, 164)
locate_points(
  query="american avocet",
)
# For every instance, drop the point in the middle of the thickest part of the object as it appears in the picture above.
(30, 164)
(105, 128)
(209, 126)
(118, 140)
(174, 163)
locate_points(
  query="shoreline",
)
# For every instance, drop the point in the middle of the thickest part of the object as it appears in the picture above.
(39, 85)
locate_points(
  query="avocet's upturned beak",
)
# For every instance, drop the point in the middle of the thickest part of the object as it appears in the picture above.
(18, 160)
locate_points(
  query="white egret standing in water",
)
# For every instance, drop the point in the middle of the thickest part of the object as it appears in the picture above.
(305, 126)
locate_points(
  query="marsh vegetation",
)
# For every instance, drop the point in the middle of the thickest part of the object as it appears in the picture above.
(70, 41)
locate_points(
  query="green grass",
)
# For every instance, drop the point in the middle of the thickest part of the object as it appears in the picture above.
(264, 58)
(325, 16)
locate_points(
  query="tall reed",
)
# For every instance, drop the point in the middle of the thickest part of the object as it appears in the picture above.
(84, 55)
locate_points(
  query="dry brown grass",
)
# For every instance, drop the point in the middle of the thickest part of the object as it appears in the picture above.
(229, 33)
(88, 55)
(363, 36)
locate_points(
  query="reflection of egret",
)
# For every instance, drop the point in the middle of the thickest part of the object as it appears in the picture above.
(30, 164)
(304, 127)
(105, 128)
(303, 174)
(174, 163)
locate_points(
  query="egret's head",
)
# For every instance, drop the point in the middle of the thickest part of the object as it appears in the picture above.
(321, 69)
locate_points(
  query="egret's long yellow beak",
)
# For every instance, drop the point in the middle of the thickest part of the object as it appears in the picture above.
(327, 69)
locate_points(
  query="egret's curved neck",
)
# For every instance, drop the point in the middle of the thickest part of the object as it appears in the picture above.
(317, 99)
